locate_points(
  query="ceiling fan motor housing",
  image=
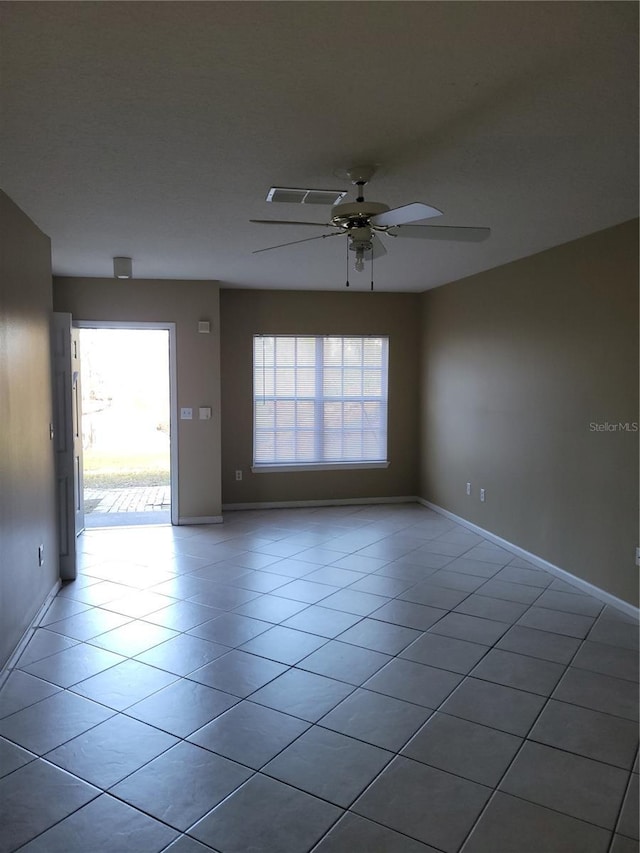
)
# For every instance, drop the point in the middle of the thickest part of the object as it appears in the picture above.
(356, 214)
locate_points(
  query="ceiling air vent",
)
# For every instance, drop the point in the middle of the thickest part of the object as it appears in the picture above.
(291, 195)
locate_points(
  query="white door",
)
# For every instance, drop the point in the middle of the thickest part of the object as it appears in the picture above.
(66, 425)
(76, 395)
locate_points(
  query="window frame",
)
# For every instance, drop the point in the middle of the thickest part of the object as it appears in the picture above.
(319, 400)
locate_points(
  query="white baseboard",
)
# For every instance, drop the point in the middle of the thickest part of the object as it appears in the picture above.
(11, 664)
(200, 519)
(404, 499)
(562, 574)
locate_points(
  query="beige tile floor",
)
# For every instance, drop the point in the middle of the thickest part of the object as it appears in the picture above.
(338, 680)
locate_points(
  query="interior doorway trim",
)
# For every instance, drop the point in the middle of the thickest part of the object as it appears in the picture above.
(173, 394)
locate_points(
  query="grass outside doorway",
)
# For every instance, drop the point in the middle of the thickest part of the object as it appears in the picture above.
(103, 470)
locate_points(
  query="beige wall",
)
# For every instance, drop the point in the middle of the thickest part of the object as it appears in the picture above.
(27, 504)
(244, 313)
(517, 363)
(198, 365)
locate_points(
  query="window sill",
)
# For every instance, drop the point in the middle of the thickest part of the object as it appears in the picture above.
(317, 466)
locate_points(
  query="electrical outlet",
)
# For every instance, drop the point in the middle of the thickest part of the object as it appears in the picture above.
(238, 475)
(468, 488)
(41, 555)
(482, 495)
(186, 414)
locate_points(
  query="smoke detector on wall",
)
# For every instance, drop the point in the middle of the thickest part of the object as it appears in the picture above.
(122, 267)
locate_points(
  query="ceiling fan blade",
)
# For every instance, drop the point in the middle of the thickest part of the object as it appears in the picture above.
(441, 232)
(290, 222)
(377, 248)
(407, 213)
(293, 242)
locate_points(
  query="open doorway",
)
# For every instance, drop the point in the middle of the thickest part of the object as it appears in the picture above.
(126, 393)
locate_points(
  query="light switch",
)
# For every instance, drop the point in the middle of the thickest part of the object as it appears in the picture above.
(205, 413)
(186, 414)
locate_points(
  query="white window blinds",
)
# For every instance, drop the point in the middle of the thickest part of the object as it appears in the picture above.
(319, 399)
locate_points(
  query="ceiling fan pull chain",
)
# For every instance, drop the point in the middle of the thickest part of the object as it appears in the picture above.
(372, 272)
(347, 263)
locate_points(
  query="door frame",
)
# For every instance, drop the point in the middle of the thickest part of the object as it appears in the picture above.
(62, 432)
(173, 393)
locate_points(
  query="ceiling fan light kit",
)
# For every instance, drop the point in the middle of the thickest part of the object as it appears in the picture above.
(362, 220)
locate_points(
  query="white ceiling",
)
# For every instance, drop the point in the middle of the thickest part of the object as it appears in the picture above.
(154, 130)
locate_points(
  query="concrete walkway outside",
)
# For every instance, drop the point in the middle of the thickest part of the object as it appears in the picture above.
(127, 506)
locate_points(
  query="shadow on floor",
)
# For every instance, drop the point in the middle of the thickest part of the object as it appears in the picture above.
(126, 519)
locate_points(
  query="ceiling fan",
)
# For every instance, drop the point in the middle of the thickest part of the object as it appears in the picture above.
(362, 221)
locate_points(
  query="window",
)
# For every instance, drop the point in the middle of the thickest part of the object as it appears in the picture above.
(319, 401)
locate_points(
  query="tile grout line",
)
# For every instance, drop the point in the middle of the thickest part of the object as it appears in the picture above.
(511, 763)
